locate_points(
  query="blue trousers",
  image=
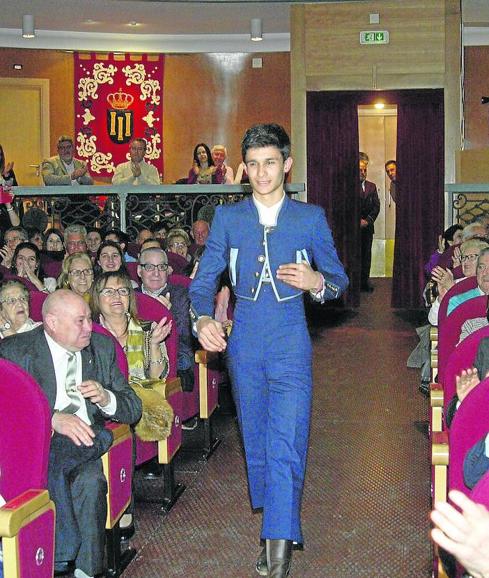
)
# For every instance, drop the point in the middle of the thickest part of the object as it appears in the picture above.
(270, 363)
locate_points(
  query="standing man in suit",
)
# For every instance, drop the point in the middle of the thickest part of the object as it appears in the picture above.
(369, 210)
(268, 243)
(77, 370)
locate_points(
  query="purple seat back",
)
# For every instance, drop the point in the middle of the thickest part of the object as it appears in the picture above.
(449, 329)
(462, 357)
(176, 279)
(36, 300)
(25, 432)
(460, 287)
(132, 269)
(150, 309)
(470, 424)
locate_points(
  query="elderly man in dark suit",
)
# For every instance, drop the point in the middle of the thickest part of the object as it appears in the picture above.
(77, 370)
(369, 210)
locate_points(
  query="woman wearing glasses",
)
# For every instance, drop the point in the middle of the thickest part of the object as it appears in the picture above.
(113, 305)
(180, 260)
(14, 309)
(77, 275)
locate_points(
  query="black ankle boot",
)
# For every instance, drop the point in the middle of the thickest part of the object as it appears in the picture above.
(279, 557)
(261, 563)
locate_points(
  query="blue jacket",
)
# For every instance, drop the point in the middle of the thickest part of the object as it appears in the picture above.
(238, 241)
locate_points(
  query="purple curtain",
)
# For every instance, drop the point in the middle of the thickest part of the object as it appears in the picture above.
(419, 192)
(333, 180)
(332, 176)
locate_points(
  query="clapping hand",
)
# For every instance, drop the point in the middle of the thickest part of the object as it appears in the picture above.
(7, 254)
(136, 169)
(457, 256)
(160, 331)
(444, 279)
(7, 170)
(466, 381)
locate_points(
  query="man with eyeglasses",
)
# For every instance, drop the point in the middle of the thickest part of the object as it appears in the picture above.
(11, 239)
(136, 171)
(64, 169)
(153, 271)
(75, 239)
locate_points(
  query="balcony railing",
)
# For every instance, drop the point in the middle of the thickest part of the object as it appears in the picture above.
(130, 208)
(465, 202)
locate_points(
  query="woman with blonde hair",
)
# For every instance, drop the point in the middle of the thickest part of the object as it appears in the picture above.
(77, 275)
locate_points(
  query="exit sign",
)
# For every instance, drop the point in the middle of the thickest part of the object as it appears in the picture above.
(374, 37)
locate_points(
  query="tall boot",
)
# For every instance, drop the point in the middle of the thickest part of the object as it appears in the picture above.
(279, 558)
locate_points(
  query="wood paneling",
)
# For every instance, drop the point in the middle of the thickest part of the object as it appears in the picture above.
(476, 85)
(417, 38)
(210, 98)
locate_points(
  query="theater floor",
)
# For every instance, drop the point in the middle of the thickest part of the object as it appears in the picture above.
(366, 500)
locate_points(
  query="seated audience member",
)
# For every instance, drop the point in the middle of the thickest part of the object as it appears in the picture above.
(78, 371)
(469, 251)
(53, 252)
(65, 170)
(122, 240)
(219, 155)
(472, 230)
(143, 234)
(26, 264)
(75, 239)
(474, 324)
(482, 288)
(153, 272)
(465, 533)
(152, 244)
(93, 240)
(109, 258)
(14, 309)
(203, 171)
(241, 174)
(160, 231)
(200, 232)
(11, 239)
(7, 175)
(179, 258)
(35, 236)
(452, 236)
(136, 171)
(113, 304)
(77, 275)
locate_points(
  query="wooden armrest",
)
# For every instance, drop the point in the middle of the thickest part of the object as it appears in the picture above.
(437, 395)
(118, 429)
(203, 356)
(172, 386)
(434, 333)
(439, 448)
(15, 512)
(434, 358)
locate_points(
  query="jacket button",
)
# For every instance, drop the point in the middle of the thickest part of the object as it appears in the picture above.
(252, 289)
(261, 258)
(257, 274)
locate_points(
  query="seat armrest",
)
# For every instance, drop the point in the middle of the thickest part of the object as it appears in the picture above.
(203, 356)
(436, 395)
(439, 448)
(16, 512)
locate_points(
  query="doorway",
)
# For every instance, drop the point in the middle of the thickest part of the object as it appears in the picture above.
(24, 122)
(377, 134)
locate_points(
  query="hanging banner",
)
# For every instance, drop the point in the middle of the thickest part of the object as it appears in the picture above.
(118, 97)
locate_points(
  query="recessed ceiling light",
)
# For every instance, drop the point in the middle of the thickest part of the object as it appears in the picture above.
(17, 67)
(133, 23)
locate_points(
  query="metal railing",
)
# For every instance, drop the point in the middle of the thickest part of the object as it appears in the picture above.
(465, 201)
(129, 208)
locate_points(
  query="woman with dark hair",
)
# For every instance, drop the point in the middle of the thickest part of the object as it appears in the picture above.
(109, 257)
(204, 171)
(26, 264)
(452, 236)
(53, 244)
(7, 174)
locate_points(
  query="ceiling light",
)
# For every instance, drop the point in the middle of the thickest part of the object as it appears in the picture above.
(28, 26)
(379, 105)
(256, 29)
(133, 23)
(17, 66)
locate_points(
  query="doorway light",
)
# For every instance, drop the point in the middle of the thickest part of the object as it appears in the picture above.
(379, 105)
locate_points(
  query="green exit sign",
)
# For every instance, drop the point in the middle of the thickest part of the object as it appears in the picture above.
(374, 37)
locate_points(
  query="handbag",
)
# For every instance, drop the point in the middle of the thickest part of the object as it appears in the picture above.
(157, 416)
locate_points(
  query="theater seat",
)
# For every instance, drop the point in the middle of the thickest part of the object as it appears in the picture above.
(27, 520)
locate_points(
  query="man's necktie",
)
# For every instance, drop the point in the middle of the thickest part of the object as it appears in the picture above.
(70, 385)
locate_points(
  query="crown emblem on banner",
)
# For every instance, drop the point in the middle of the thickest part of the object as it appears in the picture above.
(120, 100)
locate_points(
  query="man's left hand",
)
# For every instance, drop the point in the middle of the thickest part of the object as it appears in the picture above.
(93, 391)
(299, 275)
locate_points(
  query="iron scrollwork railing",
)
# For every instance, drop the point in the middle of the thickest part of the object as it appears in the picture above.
(466, 202)
(125, 208)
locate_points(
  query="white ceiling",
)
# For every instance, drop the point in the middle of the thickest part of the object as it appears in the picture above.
(185, 26)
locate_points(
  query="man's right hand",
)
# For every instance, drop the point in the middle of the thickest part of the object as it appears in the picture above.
(70, 425)
(136, 169)
(211, 334)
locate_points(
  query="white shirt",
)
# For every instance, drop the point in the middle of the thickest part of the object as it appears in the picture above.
(60, 361)
(69, 171)
(123, 174)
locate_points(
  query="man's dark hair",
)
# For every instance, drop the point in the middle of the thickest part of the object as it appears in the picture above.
(266, 135)
(121, 236)
(391, 162)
